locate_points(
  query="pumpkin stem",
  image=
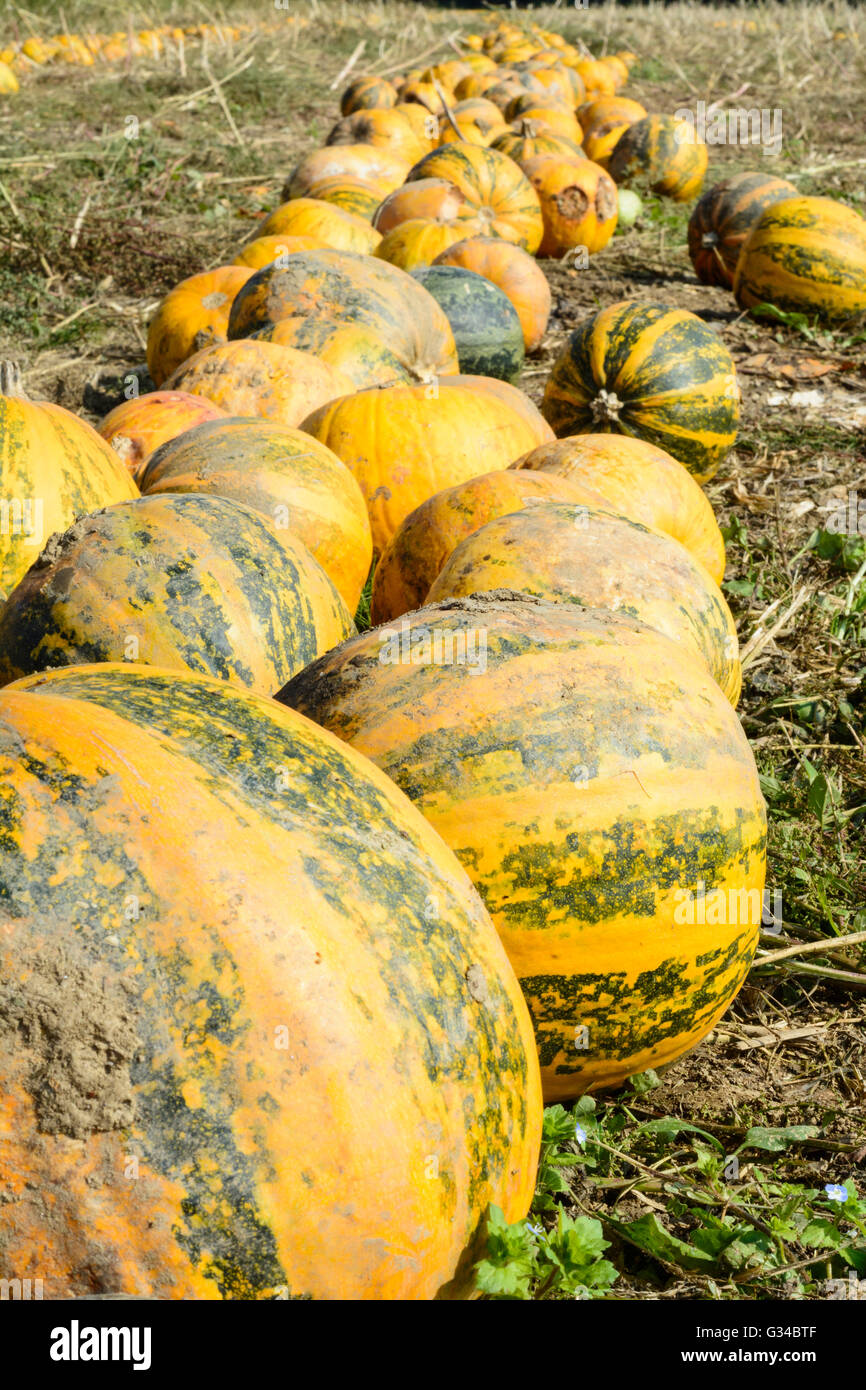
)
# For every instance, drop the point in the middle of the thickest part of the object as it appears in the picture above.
(709, 239)
(10, 379)
(606, 407)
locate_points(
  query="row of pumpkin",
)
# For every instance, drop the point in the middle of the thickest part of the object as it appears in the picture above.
(238, 950)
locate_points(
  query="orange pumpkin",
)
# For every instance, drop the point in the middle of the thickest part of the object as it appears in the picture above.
(476, 84)
(138, 426)
(663, 152)
(420, 240)
(367, 93)
(267, 249)
(380, 168)
(357, 350)
(190, 317)
(388, 130)
(432, 199)
(424, 123)
(599, 79)
(516, 273)
(493, 186)
(604, 111)
(528, 139)
(331, 225)
(405, 443)
(552, 120)
(250, 377)
(422, 94)
(352, 195)
(579, 204)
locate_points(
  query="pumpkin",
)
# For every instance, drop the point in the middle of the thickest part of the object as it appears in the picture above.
(662, 152)
(419, 241)
(448, 73)
(641, 482)
(258, 378)
(375, 166)
(483, 114)
(425, 540)
(53, 468)
(484, 322)
(722, 219)
(294, 482)
(578, 204)
(529, 139)
(470, 132)
(404, 443)
(338, 229)
(650, 371)
(427, 199)
(808, 256)
(421, 93)
(503, 92)
(593, 556)
(185, 582)
(424, 123)
(367, 93)
(607, 111)
(512, 396)
(493, 186)
(618, 68)
(387, 130)
(228, 1007)
(352, 195)
(598, 79)
(267, 249)
(477, 84)
(553, 120)
(138, 426)
(537, 101)
(358, 351)
(514, 272)
(192, 316)
(593, 779)
(359, 290)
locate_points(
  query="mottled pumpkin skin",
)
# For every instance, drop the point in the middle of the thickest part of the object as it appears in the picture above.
(587, 779)
(808, 256)
(503, 199)
(427, 538)
(187, 582)
(375, 166)
(663, 153)
(578, 204)
(331, 226)
(367, 94)
(641, 482)
(352, 195)
(722, 219)
(252, 377)
(653, 372)
(294, 482)
(357, 351)
(484, 322)
(419, 241)
(529, 140)
(240, 1028)
(590, 555)
(352, 289)
(405, 443)
(53, 468)
(386, 129)
(514, 272)
(192, 316)
(138, 426)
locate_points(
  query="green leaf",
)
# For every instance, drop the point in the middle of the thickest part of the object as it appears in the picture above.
(775, 1140)
(644, 1081)
(669, 1127)
(649, 1235)
(508, 1270)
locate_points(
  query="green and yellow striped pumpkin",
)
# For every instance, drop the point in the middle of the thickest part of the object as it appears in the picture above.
(722, 219)
(183, 581)
(663, 153)
(651, 371)
(590, 776)
(806, 255)
(258, 1037)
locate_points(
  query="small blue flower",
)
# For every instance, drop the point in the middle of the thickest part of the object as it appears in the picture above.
(580, 1134)
(536, 1230)
(836, 1192)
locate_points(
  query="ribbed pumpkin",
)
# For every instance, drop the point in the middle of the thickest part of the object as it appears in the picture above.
(227, 1005)
(426, 198)
(553, 120)
(589, 775)
(493, 185)
(375, 166)
(419, 241)
(540, 101)
(358, 351)
(484, 322)
(267, 249)
(189, 583)
(651, 371)
(192, 316)
(251, 377)
(638, 481)
(662, 152)
(806, 255)
(604, 111)
(335, 227)
(352, 195)
(53, 468)
(404, 443)
(419, 93)
(592, 556)
(386, 130)
(426, 539)
(529, 139)
(515, 272)
(294, 482)
(722, 219)
(484, 114)
(353, 289)
(367, 93)
(578, 204)
(138, 426)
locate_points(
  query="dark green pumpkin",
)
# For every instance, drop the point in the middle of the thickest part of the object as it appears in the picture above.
(484, 322)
